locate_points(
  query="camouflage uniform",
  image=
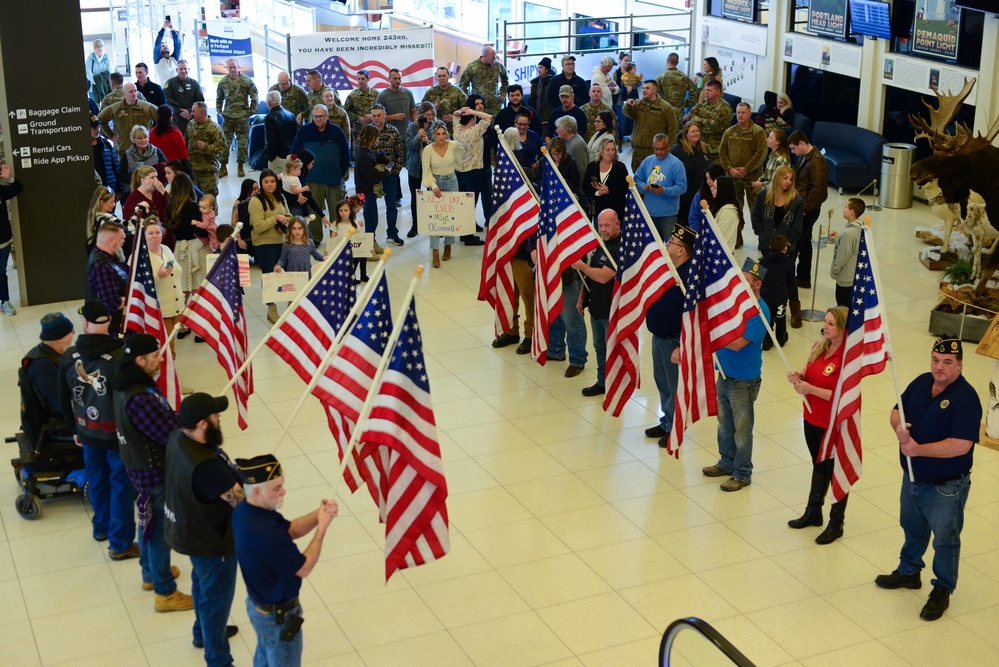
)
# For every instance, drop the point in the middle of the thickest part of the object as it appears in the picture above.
(339, 118)
(358, 104)
(447, 101)
(490, 81)
(125, 117)
(390, 143)
(117, 95)
(236, 99)
(713, 120)
(314, 97)
(652, 117)
(293, 100)
(205, 161)
(676, 87)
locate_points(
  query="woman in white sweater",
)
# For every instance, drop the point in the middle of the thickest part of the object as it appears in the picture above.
(441, 158)
(726, 210)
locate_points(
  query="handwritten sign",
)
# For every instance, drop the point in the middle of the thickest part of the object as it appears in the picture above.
(284, 286)
(451, 214)
(363, 244)
(244, 267)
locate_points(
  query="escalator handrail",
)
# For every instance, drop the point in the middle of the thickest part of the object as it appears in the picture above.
(706, 631)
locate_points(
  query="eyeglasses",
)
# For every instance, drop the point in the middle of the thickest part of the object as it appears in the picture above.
(522, 124)
(320, 115)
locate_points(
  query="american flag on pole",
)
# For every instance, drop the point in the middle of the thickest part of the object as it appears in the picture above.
(564, 235)
(145, 316)
(715, 313)
(642, 277)
(339, 74)
(402, 435)
(348, 379)
(216, 314)
(514, 220)
(865, 352)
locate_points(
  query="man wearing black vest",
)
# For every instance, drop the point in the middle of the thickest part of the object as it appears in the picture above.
(106, 275)
(145, 421)
(202, 489)
(38, 379)
(87, 403)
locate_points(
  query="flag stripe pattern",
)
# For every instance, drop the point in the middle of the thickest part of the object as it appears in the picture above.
(145, 316)
(715, 313)
(642, 277)
(865, 352)
(564, 235)
(216, 314)
(402, 434)
(514, 220)
(339, 74)
(347, 381)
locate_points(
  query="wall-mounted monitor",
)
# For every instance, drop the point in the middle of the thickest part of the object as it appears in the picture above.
(871, 18)
(988, 6)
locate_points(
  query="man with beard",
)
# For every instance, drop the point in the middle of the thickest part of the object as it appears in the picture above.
(145, 421)
(106, 273)
(202, 489)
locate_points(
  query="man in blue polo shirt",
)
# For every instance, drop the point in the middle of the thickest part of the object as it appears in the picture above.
(272, 566)
(935, 449)
(661, 178)
(742, 362)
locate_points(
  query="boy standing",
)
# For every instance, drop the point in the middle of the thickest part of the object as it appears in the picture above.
(777, 286)
(844, 263)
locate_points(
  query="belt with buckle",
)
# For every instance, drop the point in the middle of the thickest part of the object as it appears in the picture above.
(278, 608)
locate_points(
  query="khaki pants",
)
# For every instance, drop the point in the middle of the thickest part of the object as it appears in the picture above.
(326, 197)
(277, 165)
(523, 279)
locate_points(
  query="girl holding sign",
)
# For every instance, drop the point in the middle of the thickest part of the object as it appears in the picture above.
(440, 161)
(345, 221)
(298, 250)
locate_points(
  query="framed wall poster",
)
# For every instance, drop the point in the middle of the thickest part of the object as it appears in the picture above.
(741, 10)
(244, 267)
(451, 214)
(827, 17)
(284, 286)
(362, 244)
(938, 24)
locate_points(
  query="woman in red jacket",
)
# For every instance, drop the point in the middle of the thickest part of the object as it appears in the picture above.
(167, 137)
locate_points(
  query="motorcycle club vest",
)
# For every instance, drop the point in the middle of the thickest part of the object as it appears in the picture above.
(91, 397)
(137, 451)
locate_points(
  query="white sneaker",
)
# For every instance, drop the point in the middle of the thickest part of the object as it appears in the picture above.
(8, 308)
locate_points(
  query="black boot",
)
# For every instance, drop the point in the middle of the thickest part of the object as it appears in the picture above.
(834, 530)
(816, 496)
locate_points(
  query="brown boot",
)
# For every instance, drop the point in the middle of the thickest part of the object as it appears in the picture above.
(436, 261)
(447, 252)
(176, 601)
(795, 314)
(174, 572)
(241, 172)
(224, 171)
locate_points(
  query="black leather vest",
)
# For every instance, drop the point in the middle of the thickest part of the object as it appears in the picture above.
(91, 396)
(137, 451)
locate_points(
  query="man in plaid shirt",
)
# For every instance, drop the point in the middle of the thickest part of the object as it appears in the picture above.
(145, 421)
(107, 273)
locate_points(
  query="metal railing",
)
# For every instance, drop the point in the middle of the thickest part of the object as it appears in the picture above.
(708, 632)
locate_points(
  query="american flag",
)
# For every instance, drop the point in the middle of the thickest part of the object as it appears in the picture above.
(642, 277)
(310, 329)
(145, 316)
(564, 235)
(347, 381)
(287, 287)
(402, 435)
(715, 313)
(514, 220)
(865, 352)
(339, 74)
(216, 314)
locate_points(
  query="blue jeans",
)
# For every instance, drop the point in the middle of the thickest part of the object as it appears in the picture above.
(664, 225)
(213, 584)
(390, 184)
(112, 497)
(735, 425)
(938, 509)
(568, 328)
(271, 651)
(154, 557)
(666, 375)
(599, 329)
(4, 257)
(446, 183)
(479, 181)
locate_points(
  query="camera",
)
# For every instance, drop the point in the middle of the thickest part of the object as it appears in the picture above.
(167, 19)
(422, 122)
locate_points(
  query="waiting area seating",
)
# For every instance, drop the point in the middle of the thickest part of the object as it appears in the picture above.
(853, 153)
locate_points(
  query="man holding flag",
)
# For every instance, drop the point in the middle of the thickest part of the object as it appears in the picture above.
(741, 361)
(939, 443)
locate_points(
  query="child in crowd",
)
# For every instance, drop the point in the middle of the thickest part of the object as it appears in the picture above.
(777, 286)
(207, 207)
(345, 221)
(291, 183)
(297, 249)
(357, 205)
(844, 263)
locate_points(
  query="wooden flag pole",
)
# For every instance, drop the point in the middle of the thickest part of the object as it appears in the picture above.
(655, 232)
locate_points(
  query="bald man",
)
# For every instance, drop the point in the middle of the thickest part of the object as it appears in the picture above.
(293, 97)
(488, 78)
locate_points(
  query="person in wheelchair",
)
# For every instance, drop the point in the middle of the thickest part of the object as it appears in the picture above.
(38, 378)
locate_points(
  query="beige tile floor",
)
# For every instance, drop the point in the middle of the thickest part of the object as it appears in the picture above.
(575, 540)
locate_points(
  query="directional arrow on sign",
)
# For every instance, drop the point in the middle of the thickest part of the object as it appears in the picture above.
(16, 152)
(12, 114)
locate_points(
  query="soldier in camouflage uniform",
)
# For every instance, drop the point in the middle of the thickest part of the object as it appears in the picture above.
(205, 145)
(126, 114)
(293, 98)
(486, 77)
(713, 116)
(653, 115)
(591, 109)
(358, 105)
(117, 94)
(236, 100)
(676, 87)
(337, 115)
(314, 94)
(446, 98)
